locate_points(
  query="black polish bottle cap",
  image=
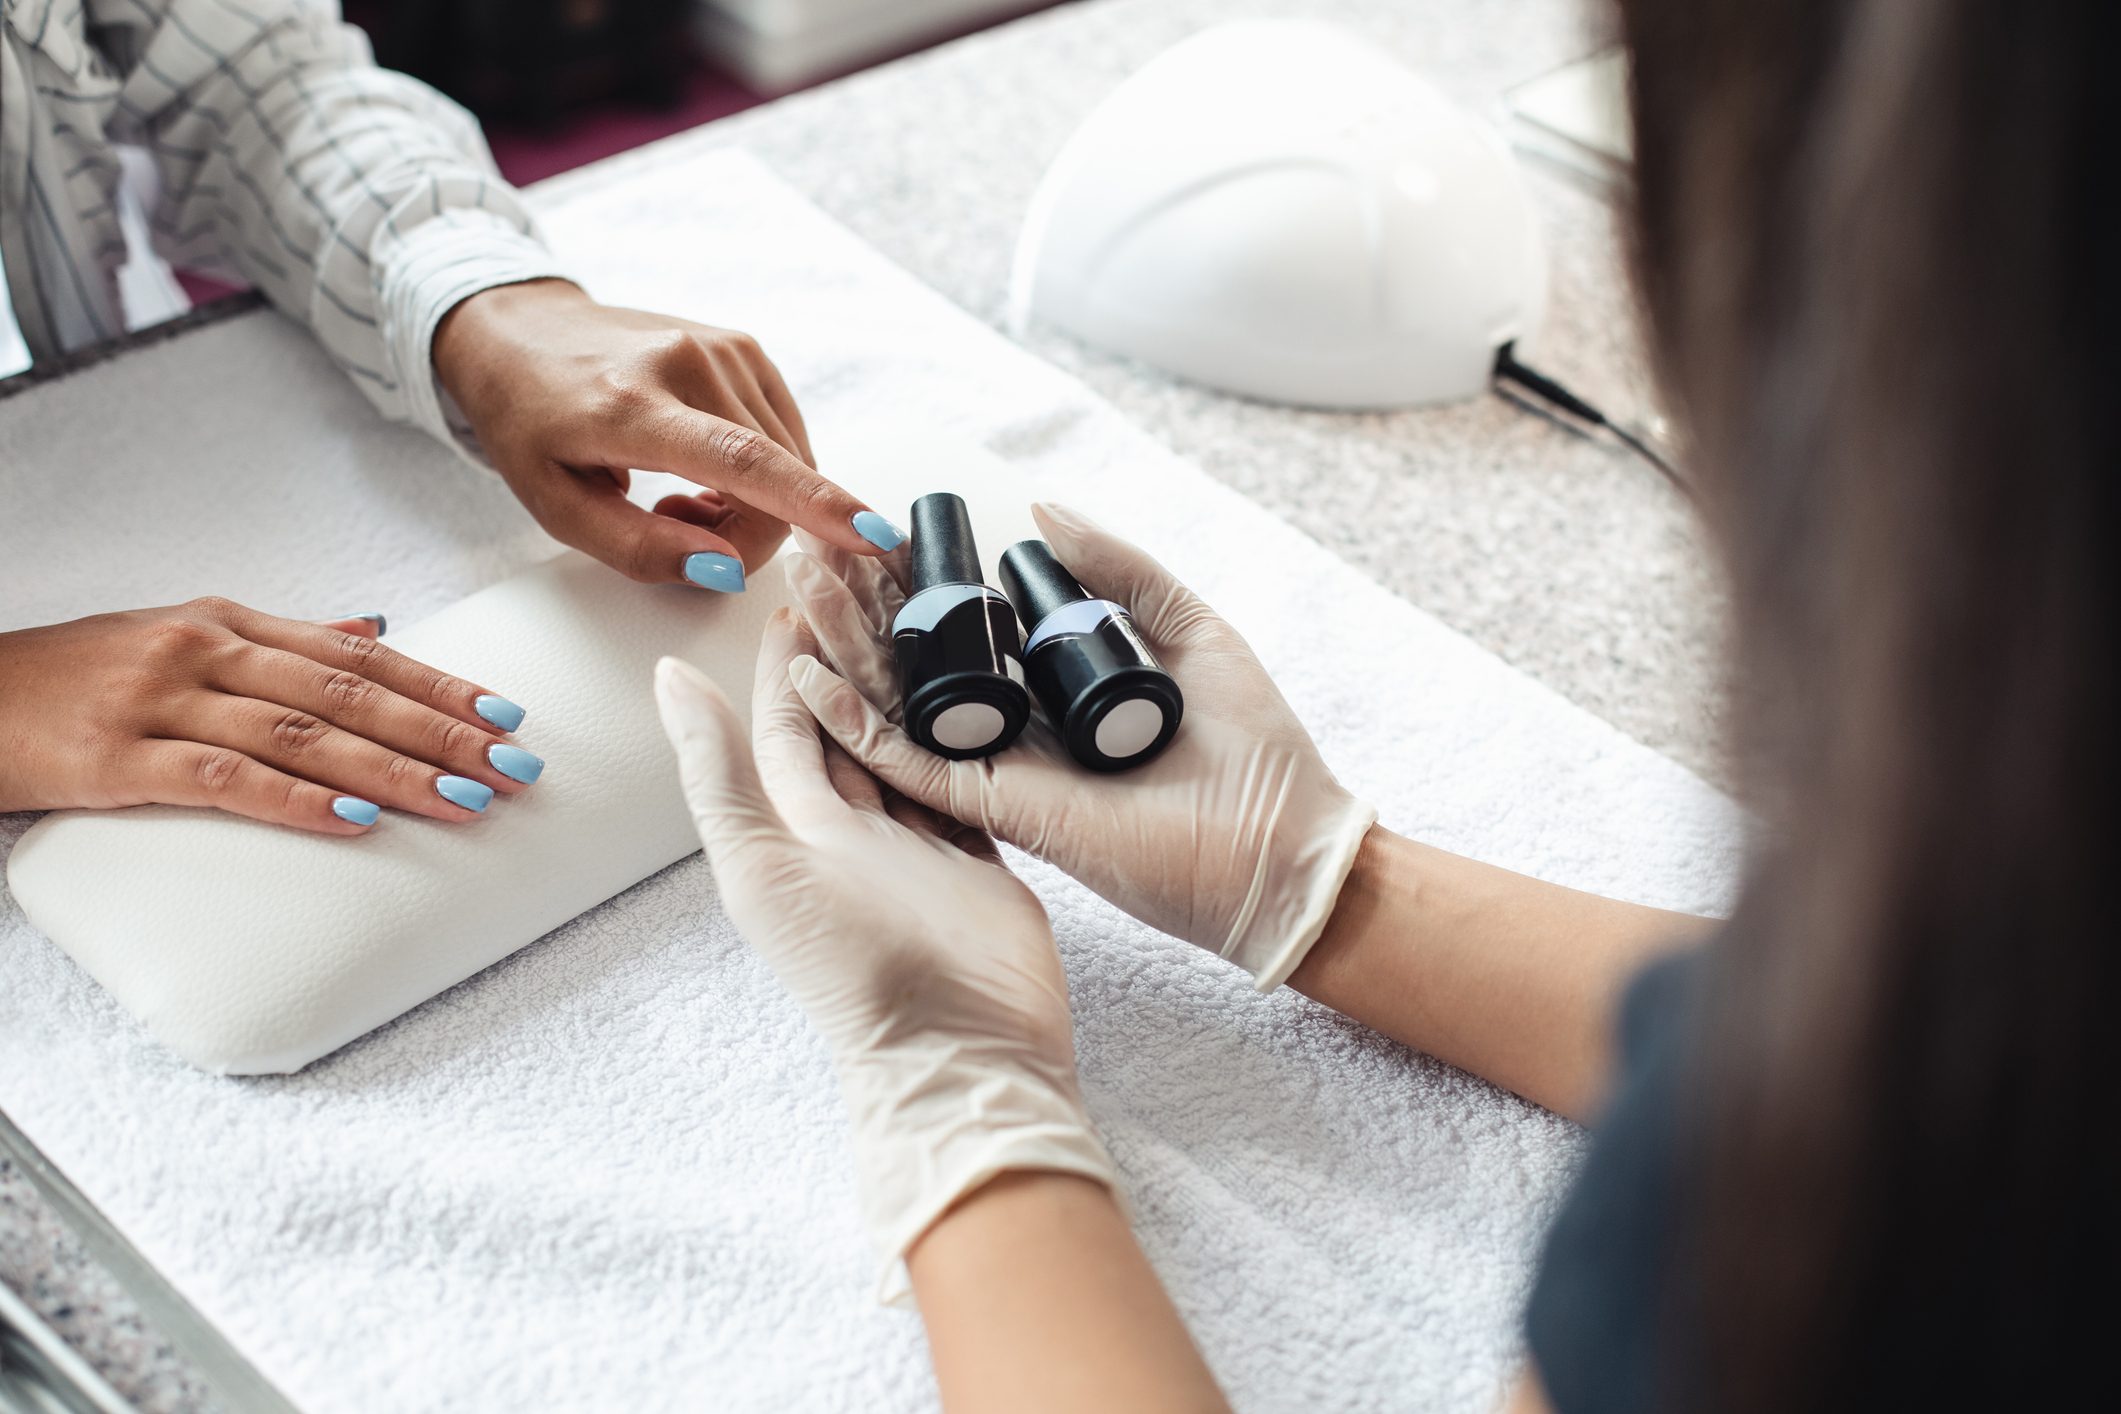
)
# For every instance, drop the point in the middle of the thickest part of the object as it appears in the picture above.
(960, 675)
(1037, 582)
(1094, 675)
(943, 549)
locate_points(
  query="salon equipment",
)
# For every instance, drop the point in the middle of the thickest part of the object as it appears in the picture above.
(778, 45)
(1107, 698)
(1510, 373)
(960, 674)
(1280, 209)
(273, 946)
(611, 1172)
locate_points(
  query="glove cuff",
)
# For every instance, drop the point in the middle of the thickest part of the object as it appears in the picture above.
(1306, 889)
(929, 1129)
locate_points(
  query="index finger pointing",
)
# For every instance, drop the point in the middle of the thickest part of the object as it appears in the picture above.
(754, 468)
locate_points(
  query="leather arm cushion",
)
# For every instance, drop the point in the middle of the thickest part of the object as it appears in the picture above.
(251, 948)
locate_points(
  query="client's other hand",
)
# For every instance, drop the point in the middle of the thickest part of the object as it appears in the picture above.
(1236, 838)
(565, 394)
(926, 965)
(210, 703)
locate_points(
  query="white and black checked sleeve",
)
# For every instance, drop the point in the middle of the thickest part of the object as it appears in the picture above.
(360, 201)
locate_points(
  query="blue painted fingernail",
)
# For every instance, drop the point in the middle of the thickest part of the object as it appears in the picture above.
(723, 573)
(356, 811)
(878, 531)
(515, 763)
(459, 791)
(382, 624)
(498, 710)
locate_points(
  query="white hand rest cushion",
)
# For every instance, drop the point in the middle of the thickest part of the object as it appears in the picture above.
(250, 948)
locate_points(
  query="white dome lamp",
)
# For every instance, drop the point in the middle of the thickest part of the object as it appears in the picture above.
(1282, 210)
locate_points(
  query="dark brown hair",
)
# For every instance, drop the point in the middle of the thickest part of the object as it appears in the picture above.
(1874, 241)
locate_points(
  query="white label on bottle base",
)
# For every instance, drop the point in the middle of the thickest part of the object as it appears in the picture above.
(967, 726)
(1129, 729)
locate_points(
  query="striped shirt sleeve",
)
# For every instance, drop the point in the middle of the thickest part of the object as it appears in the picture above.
(360, 201)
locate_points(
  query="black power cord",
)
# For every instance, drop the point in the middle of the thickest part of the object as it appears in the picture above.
(1509, 370)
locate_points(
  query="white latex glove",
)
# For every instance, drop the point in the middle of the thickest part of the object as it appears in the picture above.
(1236, 838)
(927, 966)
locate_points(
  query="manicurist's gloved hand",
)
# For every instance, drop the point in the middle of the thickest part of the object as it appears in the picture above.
(565, 395)
(926, 965)
(1236, 838)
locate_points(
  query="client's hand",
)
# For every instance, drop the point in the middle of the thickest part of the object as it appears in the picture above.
(1236, 838)
(210, 703)
(927, 966)
(565, 394)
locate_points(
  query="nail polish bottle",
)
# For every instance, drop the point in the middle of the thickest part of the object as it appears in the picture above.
(1102, 690)
(960, 672)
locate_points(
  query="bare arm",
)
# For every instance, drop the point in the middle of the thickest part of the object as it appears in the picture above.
(1038, 1300)
(1509, 977)
(1528, 1396)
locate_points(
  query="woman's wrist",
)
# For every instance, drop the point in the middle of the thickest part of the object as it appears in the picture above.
(1028, 1276)
(1512, 978)
(1017, 1200)
(921, 1151)
(1315, 862)
(479, 338)
(1355, 956)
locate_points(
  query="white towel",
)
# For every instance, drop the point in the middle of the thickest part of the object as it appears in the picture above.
(610, 1172)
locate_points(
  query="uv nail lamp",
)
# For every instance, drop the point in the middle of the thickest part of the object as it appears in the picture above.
(961, 675)
(1280, 209)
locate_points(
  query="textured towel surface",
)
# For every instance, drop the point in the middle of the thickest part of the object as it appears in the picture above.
(610, 1171)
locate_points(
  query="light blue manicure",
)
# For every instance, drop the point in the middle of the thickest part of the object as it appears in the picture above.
(382, 624)
(878, 531)
(498, 710)
(515, 763)
(459, 791)
(723, 573)
(356, 811)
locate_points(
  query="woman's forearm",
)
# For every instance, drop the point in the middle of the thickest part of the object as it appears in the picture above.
(1509, 977)
(1038, 1300)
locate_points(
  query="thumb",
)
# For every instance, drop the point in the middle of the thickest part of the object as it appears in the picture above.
(751, 533)
(1172, 615)
(721, 780)
(953, 787)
